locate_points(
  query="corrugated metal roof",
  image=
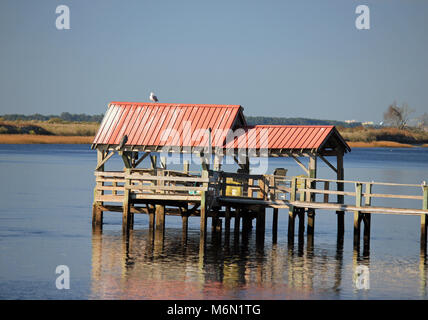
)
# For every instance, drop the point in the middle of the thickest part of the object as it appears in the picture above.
(159, 124)
(284, 137)
(183, 125)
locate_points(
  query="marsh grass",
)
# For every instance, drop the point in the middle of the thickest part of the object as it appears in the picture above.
(41, 139)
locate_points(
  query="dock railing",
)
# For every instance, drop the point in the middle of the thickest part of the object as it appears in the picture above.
(276, 190)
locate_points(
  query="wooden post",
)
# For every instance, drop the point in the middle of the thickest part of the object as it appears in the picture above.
(291, 211)
(260, 225)
(271, 188)
(326, 188)
(203, 227)
(160, 221)
(97, 214)
(301, 215)
(185, 223)
(357, 214)
(163, 162)
(275, 225)
(262, 193)
(367, 217)
(237, 223)
(340, 198)
(247, 222)
(126, 215)
(153, 160)
(312, 174)
(227, 225)
(424, 218)
(186, 166)
(151, 211)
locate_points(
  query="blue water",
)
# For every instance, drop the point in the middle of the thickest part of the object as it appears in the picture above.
(46, 195)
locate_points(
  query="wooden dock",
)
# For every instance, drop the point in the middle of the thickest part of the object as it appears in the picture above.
(159, 192)
(139, 131)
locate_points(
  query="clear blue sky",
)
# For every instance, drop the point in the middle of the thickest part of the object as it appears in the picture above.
(276, 58)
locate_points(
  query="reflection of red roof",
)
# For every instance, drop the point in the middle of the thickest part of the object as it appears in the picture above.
(160, 124)
(285, 137)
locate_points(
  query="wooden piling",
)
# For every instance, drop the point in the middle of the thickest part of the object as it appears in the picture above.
(301, 216)
(275, 226)
(367, 218)
(311, 196)
(260, 225)
(237, 223)
(160, 220)
(292, 211)
(126, 215)
(340, 198)
(203, 225)
(424, 218)
(227, 223)
(185, 224)
(97, 213)
(357, 214)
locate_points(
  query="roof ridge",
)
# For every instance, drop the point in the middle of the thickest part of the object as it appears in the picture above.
(161, 104)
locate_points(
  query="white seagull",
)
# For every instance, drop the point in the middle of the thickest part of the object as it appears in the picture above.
(153, 97)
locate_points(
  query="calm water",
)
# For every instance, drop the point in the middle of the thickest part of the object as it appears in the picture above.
(46, 195)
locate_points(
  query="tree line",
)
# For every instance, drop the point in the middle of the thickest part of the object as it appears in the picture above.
(64, 116)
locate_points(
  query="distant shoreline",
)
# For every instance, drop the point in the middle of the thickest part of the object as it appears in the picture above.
(51, 139)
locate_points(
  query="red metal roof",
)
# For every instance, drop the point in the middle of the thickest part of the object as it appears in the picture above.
(284, 137)
(160, 124)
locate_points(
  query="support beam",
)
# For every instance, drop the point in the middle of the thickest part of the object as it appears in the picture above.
(275, 226)
(237, 223)
(327, 163)
(102, 162)
(227, 225)
(260, 225)
(340, 198)
(299, 163)
(127, 215)
(144, 156)
(312, 174)
(424, 218)
(357, 215)
(292, 211)
(126, 157)
(204, 216)
(97, 213)
(160, 220)
(185, 224)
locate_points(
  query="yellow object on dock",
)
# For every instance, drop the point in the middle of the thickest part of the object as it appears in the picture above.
(233, 191)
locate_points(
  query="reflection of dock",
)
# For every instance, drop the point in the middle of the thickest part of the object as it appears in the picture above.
(137, 131)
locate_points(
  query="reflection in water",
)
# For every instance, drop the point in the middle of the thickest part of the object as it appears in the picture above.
(137, 266)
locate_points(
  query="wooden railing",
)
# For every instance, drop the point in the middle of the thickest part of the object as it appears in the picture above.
(164, 184)
(301, 190)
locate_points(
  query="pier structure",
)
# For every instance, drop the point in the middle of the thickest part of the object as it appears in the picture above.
(138, 131)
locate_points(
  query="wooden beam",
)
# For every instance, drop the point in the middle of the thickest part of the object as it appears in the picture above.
(328, 163)
(300, 163)
(101, 164)
(424, 218)
(141, 159)
(340, 198)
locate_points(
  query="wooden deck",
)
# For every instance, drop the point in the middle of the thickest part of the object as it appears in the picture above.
(159, 192)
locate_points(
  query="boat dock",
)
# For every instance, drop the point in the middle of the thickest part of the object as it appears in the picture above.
(138, 131)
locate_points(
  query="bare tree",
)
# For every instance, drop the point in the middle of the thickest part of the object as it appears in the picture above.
(423, 121)
(397, 116)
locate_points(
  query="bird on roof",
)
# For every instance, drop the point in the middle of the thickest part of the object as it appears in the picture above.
(153, 97)
(122, 142)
